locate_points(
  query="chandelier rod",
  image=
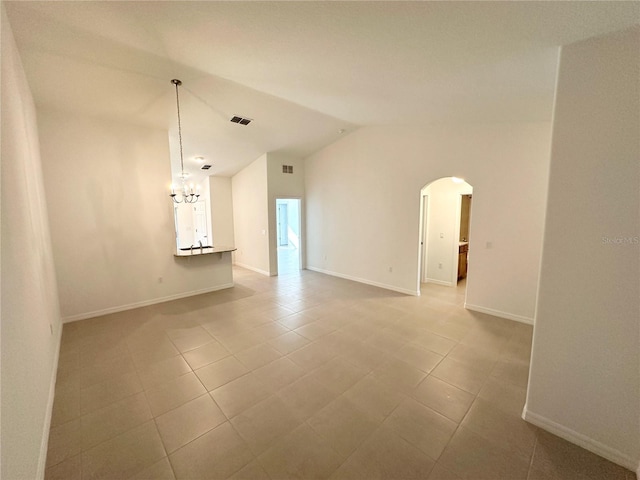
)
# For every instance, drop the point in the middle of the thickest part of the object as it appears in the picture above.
(177, 82)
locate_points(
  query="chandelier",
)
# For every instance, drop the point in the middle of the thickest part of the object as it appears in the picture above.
(187, 194)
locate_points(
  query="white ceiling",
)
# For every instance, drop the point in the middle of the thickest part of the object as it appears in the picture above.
(302, 70)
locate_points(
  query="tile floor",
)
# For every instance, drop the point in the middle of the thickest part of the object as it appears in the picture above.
(303, 376)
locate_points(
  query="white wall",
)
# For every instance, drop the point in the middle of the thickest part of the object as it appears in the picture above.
(443, 229)
(221, 211)
(282, 185)
(112, 219)
(363, 206)
(585, 369)
(31, 327)
(251, 216)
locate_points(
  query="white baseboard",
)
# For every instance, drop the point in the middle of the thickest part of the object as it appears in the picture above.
(583, 441)
(439, 282)
(253, 269)
(365, 281)
(145, 303)
(498, 313)
(44, 444)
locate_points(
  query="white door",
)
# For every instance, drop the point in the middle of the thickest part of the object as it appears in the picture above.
(423, 240)
(200, 223)
(283, 223)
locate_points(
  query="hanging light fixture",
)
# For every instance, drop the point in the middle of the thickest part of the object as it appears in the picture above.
(188, 194)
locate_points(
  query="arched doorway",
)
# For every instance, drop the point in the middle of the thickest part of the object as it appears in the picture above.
(445, 231)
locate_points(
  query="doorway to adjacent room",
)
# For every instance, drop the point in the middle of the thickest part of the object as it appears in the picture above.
(288, 224)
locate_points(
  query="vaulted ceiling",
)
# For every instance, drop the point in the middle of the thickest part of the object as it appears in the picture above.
(302, 71)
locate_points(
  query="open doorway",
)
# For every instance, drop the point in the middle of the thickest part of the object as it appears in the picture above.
(445, 232)
(288, 235)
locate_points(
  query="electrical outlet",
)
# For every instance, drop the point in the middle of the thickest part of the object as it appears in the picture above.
(440, 266)
(160, 280)
(390, 269)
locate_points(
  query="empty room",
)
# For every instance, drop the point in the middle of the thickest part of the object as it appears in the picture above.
(320, 240)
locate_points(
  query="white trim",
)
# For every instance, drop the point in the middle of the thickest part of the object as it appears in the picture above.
(440, 282)
(498, 313)
(612, 454)
(145, 303)
(367, 282)
(253, 269)
(44, 443)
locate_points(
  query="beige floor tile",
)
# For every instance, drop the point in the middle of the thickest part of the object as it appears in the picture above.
(252, 471)
(471, 456)
(556, 459)
(399, 375)
(288, 342)
(445, 399)
(206, 354)
(306, 396)
(365, 356)
(302, 454)
(343, 425)
(241, 341)
(105, 370)
(504, 395)
(105, 393)
(162, 371)
(460, 375)
(66, 404)
(279, 373)
(189, 338)
(296, 320)
(221, 372)
(356, 348)
(314, 330)
(311, 356)
(217, 454)
(113, 420)
(418, 357)
(477, 358)
(505, 430)
(172, 394)
(65, 441)
(240, 394)
(263, 424)
(338, 375)
(270, 330)
(374, 398)
(435, 343)
(388, 342)
(158, 350)
(69, 469)
(158, 471)
(189, 421)
(422, 427)
(125, 455)
(258, 356)
(384, 456)
(449, 330)
(513, 371)
(441, 473)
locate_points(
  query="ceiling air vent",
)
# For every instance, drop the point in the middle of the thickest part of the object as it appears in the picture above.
(287, 168)
(241, 120)
(205, 167)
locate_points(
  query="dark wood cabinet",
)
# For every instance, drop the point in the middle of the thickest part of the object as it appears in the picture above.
(463, 250)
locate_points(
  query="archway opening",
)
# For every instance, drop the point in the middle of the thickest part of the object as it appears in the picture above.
(445, 232)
